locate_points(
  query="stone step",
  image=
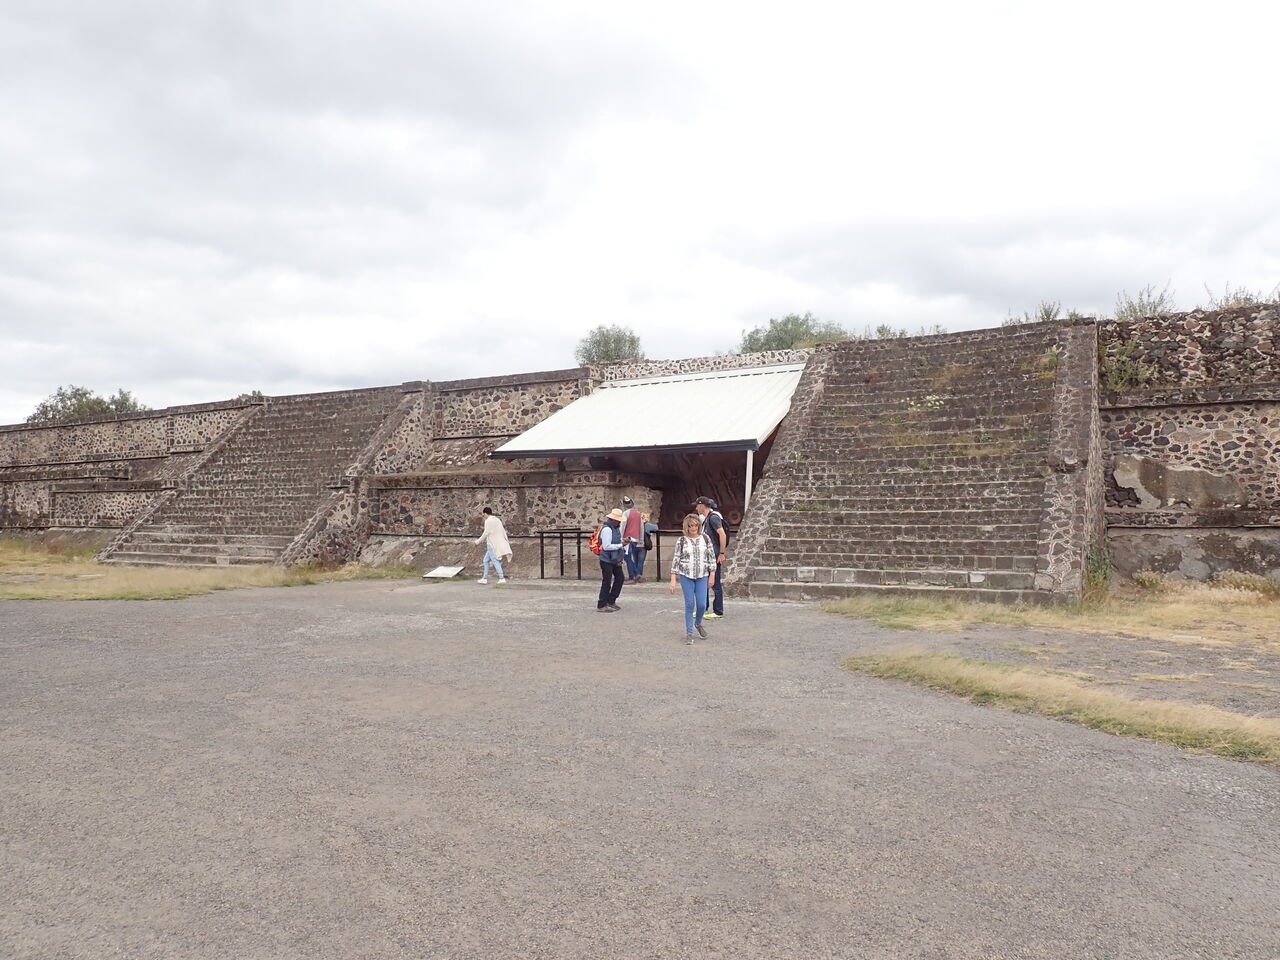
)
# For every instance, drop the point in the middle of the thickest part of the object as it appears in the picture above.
(168, 559)
(944, 557)
(858, 554)
(900, 531)
(165, 535)
(970, 431)
(821, 515)
(991, 579)
(203, 549)
(761, 589)
(246, 527)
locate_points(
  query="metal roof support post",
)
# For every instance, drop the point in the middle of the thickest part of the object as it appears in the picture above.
(751, 465)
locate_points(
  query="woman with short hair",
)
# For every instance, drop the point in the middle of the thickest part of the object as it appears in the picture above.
(694, 568)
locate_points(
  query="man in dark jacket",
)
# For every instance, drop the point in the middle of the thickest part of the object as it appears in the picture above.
(611, 563)
(717, 532)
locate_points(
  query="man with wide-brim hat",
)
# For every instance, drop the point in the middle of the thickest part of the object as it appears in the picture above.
(612, 571)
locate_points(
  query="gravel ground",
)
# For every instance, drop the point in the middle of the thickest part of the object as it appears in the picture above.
(397, 769)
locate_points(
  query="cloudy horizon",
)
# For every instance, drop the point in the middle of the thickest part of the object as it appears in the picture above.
(202, 199)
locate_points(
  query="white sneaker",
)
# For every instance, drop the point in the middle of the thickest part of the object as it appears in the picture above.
(502, 579)
(482, 580)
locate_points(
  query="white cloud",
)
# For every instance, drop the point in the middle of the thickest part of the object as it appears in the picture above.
(200, 199)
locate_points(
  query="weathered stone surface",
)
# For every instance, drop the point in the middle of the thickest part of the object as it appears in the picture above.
(1196, 553)
(1164, 485)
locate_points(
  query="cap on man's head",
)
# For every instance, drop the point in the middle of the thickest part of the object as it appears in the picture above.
(627, 502)
(704, 502)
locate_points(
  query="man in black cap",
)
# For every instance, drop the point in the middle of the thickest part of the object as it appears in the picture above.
(717, 532)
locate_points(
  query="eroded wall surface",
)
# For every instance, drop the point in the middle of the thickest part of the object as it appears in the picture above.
(1191, 437)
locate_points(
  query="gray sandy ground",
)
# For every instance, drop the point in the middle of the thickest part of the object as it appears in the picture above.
(379, 769)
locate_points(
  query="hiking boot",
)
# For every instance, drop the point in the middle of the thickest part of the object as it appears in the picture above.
(702, 631)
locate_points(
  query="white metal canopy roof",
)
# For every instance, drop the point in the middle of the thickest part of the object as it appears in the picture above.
(717, 410)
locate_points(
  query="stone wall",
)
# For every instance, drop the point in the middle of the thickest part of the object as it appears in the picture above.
(99, 472)
(1203, 347)
(410, 505)
(1192, 444)
(601, 373)
(500, 406)
(1072, 520)
(427, 474)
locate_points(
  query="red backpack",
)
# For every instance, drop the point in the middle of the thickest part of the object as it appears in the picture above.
(594, 543)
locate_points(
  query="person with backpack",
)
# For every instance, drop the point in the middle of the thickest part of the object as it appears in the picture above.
(606, 543)
(632, 539)
(717, 533)
(649, 528)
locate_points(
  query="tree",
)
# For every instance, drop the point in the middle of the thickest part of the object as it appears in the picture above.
(609, 345)
(71, 401)
(793, 330)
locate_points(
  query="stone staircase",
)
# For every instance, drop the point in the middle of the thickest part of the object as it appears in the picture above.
(921, 467)
(257, 492)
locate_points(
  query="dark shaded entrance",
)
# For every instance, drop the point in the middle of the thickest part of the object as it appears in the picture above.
(719, 474)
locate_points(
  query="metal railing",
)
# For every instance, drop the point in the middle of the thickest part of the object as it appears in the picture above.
(560, 533)
(579, 537)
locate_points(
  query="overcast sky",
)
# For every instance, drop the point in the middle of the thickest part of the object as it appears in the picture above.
(203, 198)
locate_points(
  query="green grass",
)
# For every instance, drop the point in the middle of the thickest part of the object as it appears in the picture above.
(31, 572)
(1215, 615)
(1194, 727)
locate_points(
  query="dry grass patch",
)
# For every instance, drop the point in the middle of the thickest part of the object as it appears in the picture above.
(1197, 614)
(1195, 727)
(29, 572)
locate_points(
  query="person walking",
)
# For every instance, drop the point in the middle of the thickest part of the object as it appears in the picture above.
(611, 562)
(647, 531)
(717, 533)
(632, 539)
(693, 567)
(497, 546)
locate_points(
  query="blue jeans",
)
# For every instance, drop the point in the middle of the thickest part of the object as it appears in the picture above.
(491, 557)
(634, 555)
(641, 555)
(695, 594)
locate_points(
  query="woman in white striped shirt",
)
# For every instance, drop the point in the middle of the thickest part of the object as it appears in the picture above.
(694, 568)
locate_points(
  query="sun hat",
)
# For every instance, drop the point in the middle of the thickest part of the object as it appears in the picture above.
(615, 514)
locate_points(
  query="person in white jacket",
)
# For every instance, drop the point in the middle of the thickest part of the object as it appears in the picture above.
(497, 547)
